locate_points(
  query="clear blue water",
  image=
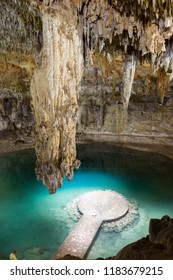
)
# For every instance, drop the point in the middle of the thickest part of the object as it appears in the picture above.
(36, 223)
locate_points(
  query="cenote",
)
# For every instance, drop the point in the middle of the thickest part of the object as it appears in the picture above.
(36, 223)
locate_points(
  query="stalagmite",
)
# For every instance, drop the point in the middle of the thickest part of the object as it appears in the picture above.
(128, 77)
(54, 90)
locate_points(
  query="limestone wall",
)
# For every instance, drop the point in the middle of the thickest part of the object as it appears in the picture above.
(101, 111)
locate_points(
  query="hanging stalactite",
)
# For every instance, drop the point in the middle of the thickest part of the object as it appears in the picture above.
(128, 77)
(54, 96)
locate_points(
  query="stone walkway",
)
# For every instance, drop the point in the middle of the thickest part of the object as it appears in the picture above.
(96, 207)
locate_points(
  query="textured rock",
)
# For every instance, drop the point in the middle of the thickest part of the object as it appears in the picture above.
(15, 111)
(143, 249)
(161, 231)
(21, 29)
(145, 121)
(54, 91)
(157, 246)
(20, 35)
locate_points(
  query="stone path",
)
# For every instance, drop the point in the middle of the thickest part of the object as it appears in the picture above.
(96, 207)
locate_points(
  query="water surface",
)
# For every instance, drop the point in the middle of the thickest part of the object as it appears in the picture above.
(36, 223)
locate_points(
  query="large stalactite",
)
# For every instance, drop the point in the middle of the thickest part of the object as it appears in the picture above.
(54, 90)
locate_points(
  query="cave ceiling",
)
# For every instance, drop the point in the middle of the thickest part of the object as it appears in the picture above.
(129, 26)
(55, 39)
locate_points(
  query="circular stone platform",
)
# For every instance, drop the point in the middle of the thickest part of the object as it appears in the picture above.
(108, 205)
(93, 210)
(82, 202)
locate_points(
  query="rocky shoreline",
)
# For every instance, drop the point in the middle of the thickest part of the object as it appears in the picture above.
(10, 145)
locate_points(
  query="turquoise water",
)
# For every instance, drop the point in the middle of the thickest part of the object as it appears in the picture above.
(36, 223)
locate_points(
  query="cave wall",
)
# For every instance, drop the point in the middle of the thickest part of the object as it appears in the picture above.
(21, 28)
(16, 115)
(103, 116)
(100, 110)
(20, 45)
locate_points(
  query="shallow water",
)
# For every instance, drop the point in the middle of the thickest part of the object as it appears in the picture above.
(36, 223)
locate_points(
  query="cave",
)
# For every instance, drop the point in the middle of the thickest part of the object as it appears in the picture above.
(87, 85)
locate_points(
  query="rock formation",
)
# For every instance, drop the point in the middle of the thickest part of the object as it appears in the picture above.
(54, 89)
(125, 49)
(157, 245)
(20, 39)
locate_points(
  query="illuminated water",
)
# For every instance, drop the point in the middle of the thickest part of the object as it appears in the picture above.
(35, 223)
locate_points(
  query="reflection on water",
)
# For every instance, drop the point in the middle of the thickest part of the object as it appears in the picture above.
(36, 223)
